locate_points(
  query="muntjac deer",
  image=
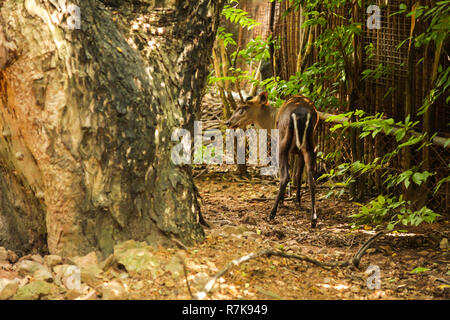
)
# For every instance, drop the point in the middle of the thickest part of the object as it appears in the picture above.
(296, 121)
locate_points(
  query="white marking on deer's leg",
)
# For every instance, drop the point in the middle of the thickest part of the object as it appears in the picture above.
(308, 117)
(297, 137)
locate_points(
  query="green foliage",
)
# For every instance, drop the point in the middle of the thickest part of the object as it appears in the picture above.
(419, 270)
(438, 32)
(395, 210)
(238, 16)
(381, 209)
(256, 50)
(335, 47)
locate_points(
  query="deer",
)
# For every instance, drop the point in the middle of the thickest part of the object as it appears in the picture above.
(296, 120)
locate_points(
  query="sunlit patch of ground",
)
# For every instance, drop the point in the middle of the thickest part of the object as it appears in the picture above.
(239, 227)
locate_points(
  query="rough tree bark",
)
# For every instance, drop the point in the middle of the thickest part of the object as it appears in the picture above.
(86, 118)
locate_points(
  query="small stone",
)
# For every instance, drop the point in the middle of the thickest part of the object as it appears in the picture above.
(37, 258)
(107, 263)
(124, 276)
(35, 290)
(248, 219)
(444, 244)
(355, 289)
(113, 291)
(8, 288)
(90, 270)
(169, 283)
(3, 254)
(200, 280)
(138, 285)
(68, 276)
(250, 235)
(72, 294)
(231, 229)
(326, 280)
(216, 233)
(34, 269)
(235, 236)
(12, 256)
(75, 293)
(175, 267)
(136, 257)
(53, 260)
(423, 253)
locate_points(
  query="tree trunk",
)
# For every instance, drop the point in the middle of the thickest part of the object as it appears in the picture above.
(86, 118)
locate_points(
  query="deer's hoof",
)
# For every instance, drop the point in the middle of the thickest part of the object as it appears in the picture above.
(272, 216)
(313, 223)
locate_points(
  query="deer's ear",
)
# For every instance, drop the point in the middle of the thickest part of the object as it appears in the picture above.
(263, 97)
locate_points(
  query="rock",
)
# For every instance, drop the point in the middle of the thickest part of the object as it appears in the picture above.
(12, 256)
(326, 280)
(138, 285)
(89, 268)
(136, 257)
(355, 289)
(175, 267)
(35, 290)
(3, 254)
(68, 276)
(250, 235)
(4, 266)
(124, 276)
(37, 258)
(231, 230)
(169, 283)
(248, 219)
(34, 269)
(215, 233)
(107, 263)
(235, 237)
(52, 260)
(200, 280)
(114, 291)
(423, 253)
(8, 288)
(443, 244)
(73, 294)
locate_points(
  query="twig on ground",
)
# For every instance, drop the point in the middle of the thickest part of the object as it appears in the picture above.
(187, 281)
(178, 242)
(269, 252)
(442, 280)
(267, 199)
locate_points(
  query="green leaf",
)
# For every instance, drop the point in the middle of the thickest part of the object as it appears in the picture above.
(407, 183)
(419, 270)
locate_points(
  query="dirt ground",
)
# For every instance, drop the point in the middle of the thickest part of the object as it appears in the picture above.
(237, 210)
